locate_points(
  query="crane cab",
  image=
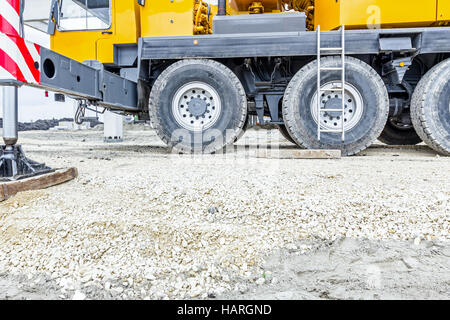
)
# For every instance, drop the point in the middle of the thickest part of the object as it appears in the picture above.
(91, 29)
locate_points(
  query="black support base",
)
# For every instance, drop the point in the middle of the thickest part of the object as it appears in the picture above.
(15, 166)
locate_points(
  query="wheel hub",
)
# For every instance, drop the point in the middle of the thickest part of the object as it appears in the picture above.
(333, 103)
(332, 99)
(196, 106)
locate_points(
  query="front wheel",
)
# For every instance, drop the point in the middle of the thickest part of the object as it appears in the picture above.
(366, 106)
(198, 106)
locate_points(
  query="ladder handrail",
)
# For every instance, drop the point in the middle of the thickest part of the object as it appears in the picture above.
(319, 86)
(318, 82)
(343, 81)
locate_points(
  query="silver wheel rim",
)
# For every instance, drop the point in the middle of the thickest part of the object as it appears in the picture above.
(331, 99)
(196, 106)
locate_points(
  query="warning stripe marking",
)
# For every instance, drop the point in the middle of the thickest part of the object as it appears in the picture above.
(18, 57)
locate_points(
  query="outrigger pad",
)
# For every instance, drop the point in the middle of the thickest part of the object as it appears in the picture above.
(9, 189)
(15, 166)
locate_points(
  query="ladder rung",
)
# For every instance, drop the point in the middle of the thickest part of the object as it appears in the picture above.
(331, 131)
(331, 110)
(326, 90)
(331, 69)
(331, 49)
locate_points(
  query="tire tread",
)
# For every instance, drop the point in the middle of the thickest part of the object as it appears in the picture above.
(327, 61)
(161, 81)
(419, 103)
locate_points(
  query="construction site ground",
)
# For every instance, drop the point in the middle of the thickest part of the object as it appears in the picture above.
(142, 223)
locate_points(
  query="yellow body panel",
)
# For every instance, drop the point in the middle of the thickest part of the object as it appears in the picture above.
(362, 14)
(130, 21)
(443, 11)
(167, 18)
(98, 45)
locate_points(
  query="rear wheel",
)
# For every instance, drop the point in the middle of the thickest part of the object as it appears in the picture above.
(198, 106)
(243, 131)
(430, 110)
(399, 133)
(366, 106)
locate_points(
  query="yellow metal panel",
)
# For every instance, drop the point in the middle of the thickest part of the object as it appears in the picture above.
(360, 14)
(167, 18)
(327, 14)
(443, 10)
(126, 29)
(79, 46)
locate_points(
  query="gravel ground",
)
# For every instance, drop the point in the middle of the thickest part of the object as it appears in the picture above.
(142, 223)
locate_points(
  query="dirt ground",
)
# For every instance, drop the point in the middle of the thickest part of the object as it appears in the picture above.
(142, 223)
(354, 269)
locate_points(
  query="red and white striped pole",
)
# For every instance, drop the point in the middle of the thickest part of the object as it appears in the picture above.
(11, 32)
(19, 64)
(19, 59)
(10, 21)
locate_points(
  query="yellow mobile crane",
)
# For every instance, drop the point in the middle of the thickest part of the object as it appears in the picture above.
(331, 74)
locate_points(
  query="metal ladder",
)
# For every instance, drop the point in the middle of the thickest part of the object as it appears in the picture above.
(320, 111)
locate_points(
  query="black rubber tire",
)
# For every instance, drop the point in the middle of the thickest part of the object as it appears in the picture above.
(394, 136)
(243, 131)
(231, 121)
(300, 92)
(430, 112)
(285, 133)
